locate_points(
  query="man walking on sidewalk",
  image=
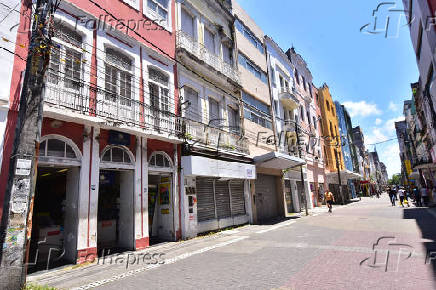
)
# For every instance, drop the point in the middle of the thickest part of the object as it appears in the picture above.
(329, 199)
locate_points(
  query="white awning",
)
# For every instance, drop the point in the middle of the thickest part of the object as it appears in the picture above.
(203, 166)
(277, 160)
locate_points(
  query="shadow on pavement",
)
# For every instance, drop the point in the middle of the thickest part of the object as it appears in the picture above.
(427, 224)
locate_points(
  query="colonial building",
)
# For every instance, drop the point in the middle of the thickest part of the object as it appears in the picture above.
(421, 15)
(308, 119)
(215, 162)
(286, 110)
(109, 155)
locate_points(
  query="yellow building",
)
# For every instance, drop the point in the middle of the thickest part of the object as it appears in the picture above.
(330, 130)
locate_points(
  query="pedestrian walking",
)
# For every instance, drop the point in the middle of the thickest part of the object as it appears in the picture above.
(417, 196)
(329, 199)
(392, 195)
(403, 197)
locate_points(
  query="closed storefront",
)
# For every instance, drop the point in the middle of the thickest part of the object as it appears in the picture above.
(219, 200)
(216, 194)
(205, 199)
(300, 189)
(266, 198)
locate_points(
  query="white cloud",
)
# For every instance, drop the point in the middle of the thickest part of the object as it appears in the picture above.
(378, 121)
(361, 109)
(389, 151)
(393, 107)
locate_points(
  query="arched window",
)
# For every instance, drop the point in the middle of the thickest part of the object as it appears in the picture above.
(116, 154)
(56, 149)
(160, 161)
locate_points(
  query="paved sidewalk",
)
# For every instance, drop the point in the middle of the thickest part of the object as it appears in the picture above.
(326, 251)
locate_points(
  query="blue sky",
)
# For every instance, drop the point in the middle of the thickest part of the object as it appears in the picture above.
(369, 73)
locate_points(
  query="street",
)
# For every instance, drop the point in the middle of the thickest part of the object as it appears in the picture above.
(325, 251)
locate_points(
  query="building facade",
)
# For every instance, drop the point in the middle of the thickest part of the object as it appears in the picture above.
(216, 169)
(308, 119)
(334, 161)
(109, 155)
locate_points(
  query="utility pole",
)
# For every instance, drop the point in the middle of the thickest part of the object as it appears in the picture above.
(339, 175)
(301, 167)
(18, 203)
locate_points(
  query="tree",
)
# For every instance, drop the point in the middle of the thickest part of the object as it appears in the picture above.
(395, 180)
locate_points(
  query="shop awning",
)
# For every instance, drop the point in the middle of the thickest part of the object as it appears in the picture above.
(346, 174)
(277, 160)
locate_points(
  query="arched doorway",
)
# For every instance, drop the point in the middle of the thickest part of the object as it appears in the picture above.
(55, 215)
(115, 214)
(161, 197)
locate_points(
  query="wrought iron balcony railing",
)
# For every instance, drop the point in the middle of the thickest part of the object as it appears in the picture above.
(214, 137)
(186, 42)
(113, 108)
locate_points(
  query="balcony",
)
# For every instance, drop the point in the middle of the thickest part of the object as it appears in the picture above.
(113, 110)
(201, 54)
(214, 138)
(288, 98)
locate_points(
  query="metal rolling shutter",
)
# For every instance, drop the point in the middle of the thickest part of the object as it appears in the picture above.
(237, 194)
(266, 197)
(222, 197)
(205, 199)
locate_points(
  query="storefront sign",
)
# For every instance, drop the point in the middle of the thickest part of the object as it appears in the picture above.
(164, 193)
(203, 166)
(119, 138)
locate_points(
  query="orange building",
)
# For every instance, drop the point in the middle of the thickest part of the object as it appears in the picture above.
(330, 130)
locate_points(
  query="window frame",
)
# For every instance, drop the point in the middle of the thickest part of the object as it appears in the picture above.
(120, 72)
(65, 46)
(154, 15)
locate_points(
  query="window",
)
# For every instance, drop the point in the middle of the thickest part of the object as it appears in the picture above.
(256, 111)
(297, 77)
(209, 40)
(159, 10)
(419, 42)
(308, 117)
(160, 160)
(233, 120)
(304, 83)
(310, 91)
(273, 77)
(302, 113)
(187, 23)
(227, 54)
(65, 68)
(314, 123)
(252, 68)
(56, 148)
(326, 160)
(214, 113)
(281, 82)
(276, 106)
(116, 155)
(118, 77)
(249, 35)
(158, 88)
(191, 96)
(327, 104)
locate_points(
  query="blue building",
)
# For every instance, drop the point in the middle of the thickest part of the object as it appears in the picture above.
(345, 142)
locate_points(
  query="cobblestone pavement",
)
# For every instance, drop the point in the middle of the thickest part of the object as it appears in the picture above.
(324, 251)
